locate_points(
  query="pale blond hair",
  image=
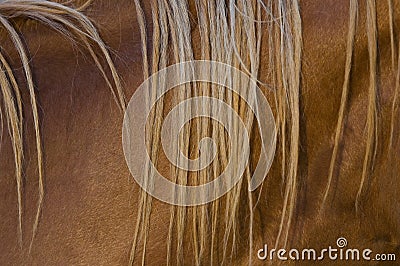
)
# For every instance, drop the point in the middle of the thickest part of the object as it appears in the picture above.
(230, 32)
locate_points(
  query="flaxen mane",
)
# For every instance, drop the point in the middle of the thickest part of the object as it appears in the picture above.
(232, 32)
(76, 27)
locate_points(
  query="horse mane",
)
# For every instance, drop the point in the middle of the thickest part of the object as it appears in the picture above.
(227, 31)
(74, 25)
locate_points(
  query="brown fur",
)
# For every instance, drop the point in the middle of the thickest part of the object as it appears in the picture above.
(90, 202)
